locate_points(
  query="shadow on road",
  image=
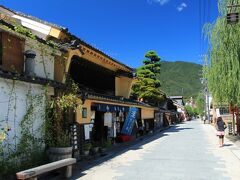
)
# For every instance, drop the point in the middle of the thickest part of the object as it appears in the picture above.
(179, 129)
(228, 145)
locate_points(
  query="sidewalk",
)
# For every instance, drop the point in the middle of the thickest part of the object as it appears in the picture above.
(116, 149)
(231, 138)
(230, 152)
(234, 139)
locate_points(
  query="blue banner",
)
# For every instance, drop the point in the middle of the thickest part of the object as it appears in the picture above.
(129, 122)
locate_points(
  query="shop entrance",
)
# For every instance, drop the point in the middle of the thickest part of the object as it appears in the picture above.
(149, 124)
(98, 128)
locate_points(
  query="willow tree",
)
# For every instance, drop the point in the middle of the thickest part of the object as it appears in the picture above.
(223, 73)
(200, 104)
(147, 85)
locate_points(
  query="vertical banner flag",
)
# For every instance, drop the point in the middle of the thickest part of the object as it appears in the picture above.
(128, 124)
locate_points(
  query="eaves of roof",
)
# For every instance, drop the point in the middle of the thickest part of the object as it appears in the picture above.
(115, 99)
(168, 111)
(30, 79)
(34, 18)
(97, 50)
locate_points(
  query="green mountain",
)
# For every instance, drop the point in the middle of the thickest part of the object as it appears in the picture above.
(180, 78)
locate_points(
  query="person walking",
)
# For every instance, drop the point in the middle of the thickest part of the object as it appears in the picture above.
(220, 127)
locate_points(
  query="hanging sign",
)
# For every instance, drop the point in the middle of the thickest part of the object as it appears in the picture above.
(108, 119)
(110, 107)
(129, 122)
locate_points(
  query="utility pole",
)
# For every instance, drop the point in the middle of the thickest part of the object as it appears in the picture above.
(207, 104)
(233, 18)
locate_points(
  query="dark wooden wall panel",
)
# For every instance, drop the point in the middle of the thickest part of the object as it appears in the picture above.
(12, 53)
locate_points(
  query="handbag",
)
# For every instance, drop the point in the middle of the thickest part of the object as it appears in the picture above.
(225, 126)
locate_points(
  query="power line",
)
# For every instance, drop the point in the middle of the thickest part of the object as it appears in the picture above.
(201, 22)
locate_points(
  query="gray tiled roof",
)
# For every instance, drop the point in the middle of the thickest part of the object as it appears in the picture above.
(33, 18)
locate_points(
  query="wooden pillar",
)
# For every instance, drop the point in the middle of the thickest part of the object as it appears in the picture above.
(237, 120)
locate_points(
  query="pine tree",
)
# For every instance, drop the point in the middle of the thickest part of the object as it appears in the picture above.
(147, 85)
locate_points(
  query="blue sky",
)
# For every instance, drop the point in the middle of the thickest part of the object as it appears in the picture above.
(126, 29)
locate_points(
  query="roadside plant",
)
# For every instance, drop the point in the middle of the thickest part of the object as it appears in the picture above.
(57, 122)
(107, 143)
(25, 149)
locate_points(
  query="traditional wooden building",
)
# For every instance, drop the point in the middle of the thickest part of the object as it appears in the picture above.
(104, 107)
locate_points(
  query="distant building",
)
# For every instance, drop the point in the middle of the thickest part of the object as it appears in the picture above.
(178, 99)
(179, 103)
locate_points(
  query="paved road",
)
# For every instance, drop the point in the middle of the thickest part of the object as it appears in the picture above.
(188, 151)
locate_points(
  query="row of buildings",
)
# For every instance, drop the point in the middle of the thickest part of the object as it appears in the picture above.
(37, 58)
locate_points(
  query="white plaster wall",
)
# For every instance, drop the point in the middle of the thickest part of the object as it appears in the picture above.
(13, 107)
(34, 25)
(44, 61)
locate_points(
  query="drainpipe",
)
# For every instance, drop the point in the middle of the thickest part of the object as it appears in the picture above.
(30, 62)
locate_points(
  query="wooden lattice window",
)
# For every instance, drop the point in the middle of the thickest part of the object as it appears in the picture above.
(223, 110)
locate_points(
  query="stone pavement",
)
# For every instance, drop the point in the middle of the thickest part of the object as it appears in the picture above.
(188, 151)
(115, 150)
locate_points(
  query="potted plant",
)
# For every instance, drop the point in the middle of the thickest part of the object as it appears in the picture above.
(58, 135)
(106, 144)
(86, 148)
(95, 147)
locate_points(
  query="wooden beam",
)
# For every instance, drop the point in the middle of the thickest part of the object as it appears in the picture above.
(34, 172)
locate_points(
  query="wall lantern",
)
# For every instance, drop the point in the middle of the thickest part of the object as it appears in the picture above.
(232, 18)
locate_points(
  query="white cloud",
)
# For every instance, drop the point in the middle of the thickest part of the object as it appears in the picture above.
(161, 2)
(181, 7)
(184, 5)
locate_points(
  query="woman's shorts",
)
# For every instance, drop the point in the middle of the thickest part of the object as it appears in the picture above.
(220, 133)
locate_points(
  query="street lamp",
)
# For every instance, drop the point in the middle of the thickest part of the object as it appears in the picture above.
(233, 17)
